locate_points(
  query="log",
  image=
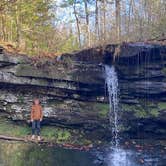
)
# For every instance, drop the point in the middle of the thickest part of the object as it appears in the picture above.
(9, 138)
(69, 146)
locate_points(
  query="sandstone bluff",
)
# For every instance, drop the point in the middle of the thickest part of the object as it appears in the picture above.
(73, 93)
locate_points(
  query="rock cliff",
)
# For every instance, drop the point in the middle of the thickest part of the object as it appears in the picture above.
(73, 92)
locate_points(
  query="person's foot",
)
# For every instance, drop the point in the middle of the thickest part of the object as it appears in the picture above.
(33, 137)
(39, 138)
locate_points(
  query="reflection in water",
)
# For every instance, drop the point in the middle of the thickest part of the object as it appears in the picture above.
(24, 154)
(120, 157)
(141, 154)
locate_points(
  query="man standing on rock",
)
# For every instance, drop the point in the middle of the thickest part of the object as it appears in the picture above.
(36, 118)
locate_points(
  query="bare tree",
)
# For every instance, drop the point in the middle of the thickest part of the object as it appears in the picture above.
(77, 23)
(87, 23)
(118, 19)
(97, 20)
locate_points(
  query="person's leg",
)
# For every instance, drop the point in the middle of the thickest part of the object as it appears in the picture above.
(33, 129)
(38, 130)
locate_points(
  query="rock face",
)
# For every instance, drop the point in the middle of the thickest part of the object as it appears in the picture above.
(142, 82)
(73, 92)
(70, 91)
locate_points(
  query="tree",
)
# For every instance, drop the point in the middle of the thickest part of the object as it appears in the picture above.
(118, 19)
(87, 22)
(37, 27)
(96, 19)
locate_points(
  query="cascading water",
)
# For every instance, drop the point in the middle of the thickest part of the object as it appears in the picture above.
(117, 156)
(112, 86)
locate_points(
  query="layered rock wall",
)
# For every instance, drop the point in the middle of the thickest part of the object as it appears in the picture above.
(73, 92)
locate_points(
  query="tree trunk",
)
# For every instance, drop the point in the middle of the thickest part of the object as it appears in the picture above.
(97, 20)
(118, 19)
(77, 23)
(17, 26)
(129, 17)
(87, 23)
(104, 21)
(3, 28)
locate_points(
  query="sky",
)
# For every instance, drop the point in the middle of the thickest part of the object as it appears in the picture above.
(64, 14)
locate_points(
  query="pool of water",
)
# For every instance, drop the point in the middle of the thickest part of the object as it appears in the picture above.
(134, 153)
(131, 153)
(25, 154)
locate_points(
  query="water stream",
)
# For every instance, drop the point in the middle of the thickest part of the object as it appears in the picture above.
(112, 86)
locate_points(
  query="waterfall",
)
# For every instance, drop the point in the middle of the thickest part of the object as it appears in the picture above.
(112, 87)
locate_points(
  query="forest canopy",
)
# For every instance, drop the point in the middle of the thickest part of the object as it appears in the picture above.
(57, 26)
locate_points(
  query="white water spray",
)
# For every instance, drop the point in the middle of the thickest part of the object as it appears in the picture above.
(112, 86)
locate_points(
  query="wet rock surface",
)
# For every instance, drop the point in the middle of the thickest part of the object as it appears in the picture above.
(73, 93)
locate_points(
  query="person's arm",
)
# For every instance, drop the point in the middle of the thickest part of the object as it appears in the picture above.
(41, 113)
(32, 114)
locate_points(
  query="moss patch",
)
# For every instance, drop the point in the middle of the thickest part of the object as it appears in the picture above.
(58, 134)
(49, 133)
(20, 99)
(164, 70)
(127, 107)
(138, 110)
(154, 112)
(140, 113)
(144, 110)
(8, 128)
(103, 109)
(162, 105)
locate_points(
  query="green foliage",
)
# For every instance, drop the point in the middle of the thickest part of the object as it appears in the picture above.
(43, 27)
(128, 107)
(20, 99)
(140, 112)
(56, 134)
(11, 129)
(144, 110)
(49, 133)
(69, 45)
(30, 26)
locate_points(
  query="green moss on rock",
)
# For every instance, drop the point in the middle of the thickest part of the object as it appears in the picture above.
(141, 113)
(58, 134)
(20, 99)
(128, 107)
(162, 105)
(164, 70)
(144, 110)
(103, 109)
(154, 112)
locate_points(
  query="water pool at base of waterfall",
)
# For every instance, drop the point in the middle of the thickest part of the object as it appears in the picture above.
(135, 153)
(131, 153)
